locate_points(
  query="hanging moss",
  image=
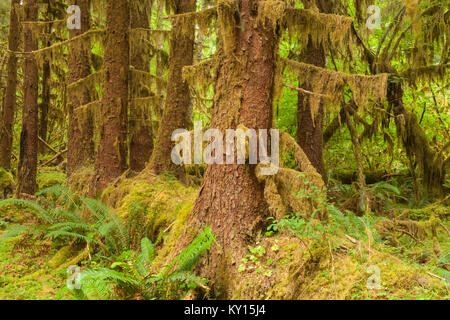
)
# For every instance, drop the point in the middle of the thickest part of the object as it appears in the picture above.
(321, 28)
(205, 19)
(201, 75)
(365, 89)
(7, 183)
(426, 74)
(226, 10)
(146, 79)
(87, 84)
(431, 164)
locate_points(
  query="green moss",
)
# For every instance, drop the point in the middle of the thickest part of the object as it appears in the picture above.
(441, 211)
(6, 180)
(60, 257)
(47, 178)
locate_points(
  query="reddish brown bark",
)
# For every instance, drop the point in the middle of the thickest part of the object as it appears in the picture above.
(231, 199)
(177, 111)
(9, 100)
(141, 134)
(80, 133)
(44, 106)
(111, 159)
(45, 94)
(29, 135)
(309, 130)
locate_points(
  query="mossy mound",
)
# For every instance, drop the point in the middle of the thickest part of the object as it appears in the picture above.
(7, 183)
(81, 180)
(49, 177)
(437, 210)
(164, 198)
(290, 268)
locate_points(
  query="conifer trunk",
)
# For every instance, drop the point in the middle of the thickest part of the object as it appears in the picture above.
(44, 106)
(177, 111)
(79, 133)
(309, 130)
(9, 100)
(45, 94)
(29, 135)
(231, 200)
(111, 159)
(141, 134)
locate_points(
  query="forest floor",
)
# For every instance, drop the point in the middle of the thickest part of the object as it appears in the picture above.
(410, 269)
(26, 275)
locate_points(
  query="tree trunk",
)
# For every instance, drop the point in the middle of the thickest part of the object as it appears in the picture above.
(415, 142)
(111, 159)
(81, 129)
(45, 94)
(141, 135)
(9, 100)
(29, 136)
(44, 106)
(309, 131)
(231, 199)
(177, 111)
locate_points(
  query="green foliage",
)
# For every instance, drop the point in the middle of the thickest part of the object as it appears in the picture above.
(133, 275)
(46, 179)
(66, 217)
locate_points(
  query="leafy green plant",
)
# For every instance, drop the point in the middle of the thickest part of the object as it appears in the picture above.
(131, 274)
(66, 217)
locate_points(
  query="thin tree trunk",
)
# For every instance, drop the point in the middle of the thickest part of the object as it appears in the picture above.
(44, 106)
(141, 134)
(159, 61)
(9, 100)
(45, 95)
(111, 159)
(309, 130)
(80, 133)
(29, 136)
(177, 111)
(231, 199)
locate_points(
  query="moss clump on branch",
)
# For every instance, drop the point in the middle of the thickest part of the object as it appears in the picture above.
(333, 84)
(205, 19)
(201, 75)
(320, 28)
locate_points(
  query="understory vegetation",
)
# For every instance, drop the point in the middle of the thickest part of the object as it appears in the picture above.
(92, 205)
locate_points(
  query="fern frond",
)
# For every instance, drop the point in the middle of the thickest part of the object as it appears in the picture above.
(19, 230)
(102, 282)
(190, 255)
(40, 211)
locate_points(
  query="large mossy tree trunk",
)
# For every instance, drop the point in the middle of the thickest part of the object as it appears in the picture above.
(9, 99)
(141, 134)
(111, 159)
(81, 128)
(177, 111)
(231, 200)
(29, 135)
